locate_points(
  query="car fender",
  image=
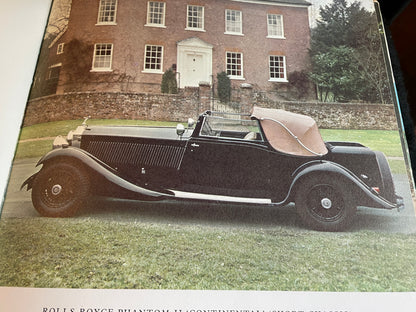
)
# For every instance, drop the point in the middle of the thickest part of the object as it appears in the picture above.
(331, 170)
(94, 164)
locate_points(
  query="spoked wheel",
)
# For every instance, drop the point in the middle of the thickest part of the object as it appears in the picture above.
(324, 205)
(59, 190)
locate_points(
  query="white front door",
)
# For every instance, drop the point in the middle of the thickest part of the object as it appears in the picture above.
(194, 70)
(194, 62)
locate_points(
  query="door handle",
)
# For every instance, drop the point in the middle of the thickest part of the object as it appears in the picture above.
(194, 145)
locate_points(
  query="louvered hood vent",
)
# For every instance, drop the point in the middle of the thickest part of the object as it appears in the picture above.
(136, 154)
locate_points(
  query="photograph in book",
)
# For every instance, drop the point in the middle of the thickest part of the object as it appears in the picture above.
(211, 144)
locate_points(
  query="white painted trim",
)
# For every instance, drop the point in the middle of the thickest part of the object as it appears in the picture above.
(107, 23)
(198, 47)
(55, 65)
(282, 28)
(150, 70)
(95, 70)
(222, 198)
(275, 37)
(274, 3)
(235, 77)
(195, 29)
(163, 24)
(102, 69)
(60, 48)
(155, 25)
(233, 33)
(278, 80)
(227, 32)
(284, 68)
(203, 18)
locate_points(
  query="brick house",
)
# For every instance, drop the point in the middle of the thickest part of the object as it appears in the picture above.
(126, 45)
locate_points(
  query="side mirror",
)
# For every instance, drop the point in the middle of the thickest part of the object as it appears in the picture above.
(191, 122)
(180, 129)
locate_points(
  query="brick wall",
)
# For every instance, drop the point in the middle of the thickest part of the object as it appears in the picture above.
(192, 101)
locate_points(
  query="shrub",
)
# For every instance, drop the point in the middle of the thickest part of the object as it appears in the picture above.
(169, 84)
(224, 87)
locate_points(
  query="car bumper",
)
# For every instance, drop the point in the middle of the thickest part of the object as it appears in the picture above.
(399, 203)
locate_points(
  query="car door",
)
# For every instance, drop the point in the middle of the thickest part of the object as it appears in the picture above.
(225, 165)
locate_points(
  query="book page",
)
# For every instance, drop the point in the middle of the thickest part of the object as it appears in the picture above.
(109, 205)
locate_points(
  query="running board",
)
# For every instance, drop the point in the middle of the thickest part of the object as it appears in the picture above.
(222, 198)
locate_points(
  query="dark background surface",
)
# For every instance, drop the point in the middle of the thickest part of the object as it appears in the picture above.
(400, 24)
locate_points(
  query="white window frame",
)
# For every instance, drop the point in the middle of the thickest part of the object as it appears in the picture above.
(200, 17)
(275, 28)
(105, 58)
(233, 27)
(150, 14)
(228, 65)
(147, 65)
(60, 48)
(282, 61)
(107, 12)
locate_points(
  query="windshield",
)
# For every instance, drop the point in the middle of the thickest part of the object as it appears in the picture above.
(231, 126)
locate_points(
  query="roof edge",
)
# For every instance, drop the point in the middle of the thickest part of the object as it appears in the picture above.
(288, 3)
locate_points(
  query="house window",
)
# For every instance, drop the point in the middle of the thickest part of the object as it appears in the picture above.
(153, 59)
(155, 14)
(195, 17)
(235, 65)
(107, 12)
(233, 22)
(60, 48)
(275, 26)
(103, 54)
(54, 71)
(277, 68)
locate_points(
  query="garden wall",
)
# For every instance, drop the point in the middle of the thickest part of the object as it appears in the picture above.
(192, 101)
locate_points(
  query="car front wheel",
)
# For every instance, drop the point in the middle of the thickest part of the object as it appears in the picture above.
(324, 204)
(59, 189)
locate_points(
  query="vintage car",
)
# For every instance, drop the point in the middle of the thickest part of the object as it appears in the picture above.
(271, 157)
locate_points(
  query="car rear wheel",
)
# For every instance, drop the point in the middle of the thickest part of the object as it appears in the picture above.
(59, 189)
(324, 204)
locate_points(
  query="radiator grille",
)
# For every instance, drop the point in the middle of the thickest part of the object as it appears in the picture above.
(137, 154)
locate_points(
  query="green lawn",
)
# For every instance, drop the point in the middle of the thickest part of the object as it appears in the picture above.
(381, 140)
(83, 253)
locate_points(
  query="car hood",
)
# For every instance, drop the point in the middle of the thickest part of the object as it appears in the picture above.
(168, 133)
(290, 133)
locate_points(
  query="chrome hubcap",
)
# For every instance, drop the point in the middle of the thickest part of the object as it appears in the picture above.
(326, 203)
(56, 189)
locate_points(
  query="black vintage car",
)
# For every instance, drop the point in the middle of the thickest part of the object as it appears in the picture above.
(271, 157)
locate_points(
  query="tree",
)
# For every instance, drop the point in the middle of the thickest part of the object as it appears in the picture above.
(346, 42)
(334, 72)
(58, 19)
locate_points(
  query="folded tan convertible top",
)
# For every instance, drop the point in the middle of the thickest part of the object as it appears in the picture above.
(290, 133)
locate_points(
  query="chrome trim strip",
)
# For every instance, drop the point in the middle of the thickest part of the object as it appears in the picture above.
(222, 198)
